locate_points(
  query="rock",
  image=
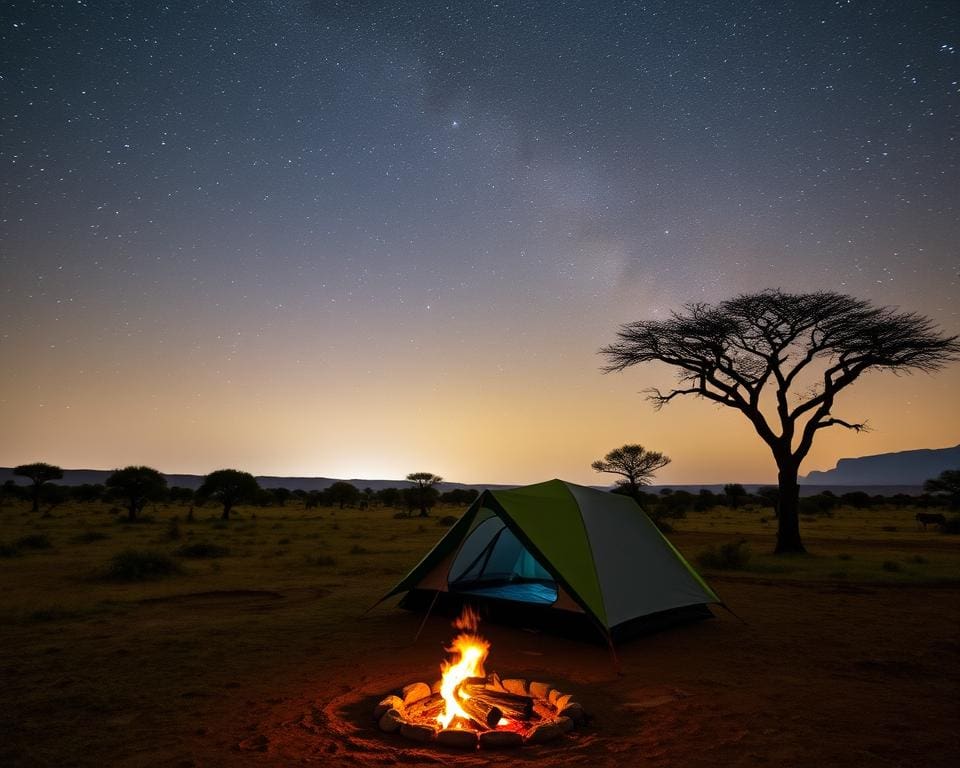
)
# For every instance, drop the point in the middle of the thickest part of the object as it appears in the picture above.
(418, 732)
(415, 692)
(458, 739)
(516, 686)
(542, 733)
(390, 702)
(390, 721)
(574, 711)
(562, 701)
(500, 739)
(565, 723)
(539, 690)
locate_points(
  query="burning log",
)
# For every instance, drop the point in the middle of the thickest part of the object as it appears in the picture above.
(482, 712)
(511, 705)
(426, 708)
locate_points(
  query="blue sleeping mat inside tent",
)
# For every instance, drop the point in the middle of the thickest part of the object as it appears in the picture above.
(524, 592)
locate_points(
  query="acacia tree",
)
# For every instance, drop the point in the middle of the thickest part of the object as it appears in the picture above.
(38, 473)
(137, 485)
(634, 463)
(230, 487)
(781, 359)
(424, 488)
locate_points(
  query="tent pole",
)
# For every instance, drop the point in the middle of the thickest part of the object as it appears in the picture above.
(427, 615)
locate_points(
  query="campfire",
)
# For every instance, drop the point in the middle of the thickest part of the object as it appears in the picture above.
(468, 708)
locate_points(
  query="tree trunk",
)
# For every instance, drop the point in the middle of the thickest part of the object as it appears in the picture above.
(788, 512)
(36, 498)
(132, 511)
(226, 511)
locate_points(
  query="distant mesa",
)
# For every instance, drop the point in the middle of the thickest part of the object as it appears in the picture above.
(900, 468)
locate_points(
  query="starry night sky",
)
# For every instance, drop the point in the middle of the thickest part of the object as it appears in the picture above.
(370, 238)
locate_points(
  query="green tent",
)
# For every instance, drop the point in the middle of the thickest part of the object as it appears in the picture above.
(556, 553)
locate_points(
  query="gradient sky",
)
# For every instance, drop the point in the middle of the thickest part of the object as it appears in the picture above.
(361, 239)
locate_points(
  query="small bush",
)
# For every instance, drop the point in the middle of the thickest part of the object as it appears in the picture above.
(356, 549)
(8, 550)
(732, 556)
(173, 529)
(889, 528)
(919, 560)
(88, 537)
(140, 565)
(844, 556)
(33, 541)
(202, 549)
(283, 542)
(219, 525)
(400, 516)
(446, 521)
(891, 566)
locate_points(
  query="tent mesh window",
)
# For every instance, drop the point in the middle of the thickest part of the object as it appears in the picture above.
(492, 562)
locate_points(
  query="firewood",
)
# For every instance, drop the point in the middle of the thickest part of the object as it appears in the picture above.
(483, 713)
(425, 707)
(512, 705)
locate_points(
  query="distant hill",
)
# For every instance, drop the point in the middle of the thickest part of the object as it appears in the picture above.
(98, 476)
(900, 468)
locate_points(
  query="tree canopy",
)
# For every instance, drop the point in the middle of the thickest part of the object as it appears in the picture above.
(230, 487)
(424, 490)
(781, 359)
(634, 463)
(38, 473)
(137, 485)
(947, 482)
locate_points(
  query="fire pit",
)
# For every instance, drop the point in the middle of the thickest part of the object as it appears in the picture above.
(468, 709)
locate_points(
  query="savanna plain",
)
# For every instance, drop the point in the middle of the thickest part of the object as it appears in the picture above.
(256, 646)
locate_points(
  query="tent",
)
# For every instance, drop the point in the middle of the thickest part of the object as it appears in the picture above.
(561, 556)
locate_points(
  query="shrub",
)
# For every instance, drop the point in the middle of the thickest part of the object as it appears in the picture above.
(919, 560)
(8, 550)
(202, 549)
(891, 566)
(356, 549)
(33, 541)
(732, 556)
(844, 556)
(446, 521)
(173, 529)
(140, 565)
(88, 537)
(321, 560)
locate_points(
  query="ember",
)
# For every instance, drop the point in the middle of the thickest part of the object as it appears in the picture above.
(468, 708)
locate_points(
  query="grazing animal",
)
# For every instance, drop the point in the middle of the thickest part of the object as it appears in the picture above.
(927, 517)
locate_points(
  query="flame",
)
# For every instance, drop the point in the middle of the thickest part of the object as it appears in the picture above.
(470, 650)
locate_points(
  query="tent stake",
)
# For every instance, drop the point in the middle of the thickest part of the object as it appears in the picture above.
(613, 653)
(427, 615)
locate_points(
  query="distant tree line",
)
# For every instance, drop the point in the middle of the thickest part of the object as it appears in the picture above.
(134, 487)
(670, 503)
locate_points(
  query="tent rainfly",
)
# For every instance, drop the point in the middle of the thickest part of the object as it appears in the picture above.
(555, 554)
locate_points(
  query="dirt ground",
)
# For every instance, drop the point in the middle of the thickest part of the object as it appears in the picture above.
(812, 676)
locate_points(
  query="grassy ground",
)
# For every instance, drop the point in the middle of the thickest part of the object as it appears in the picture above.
(98, 670)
